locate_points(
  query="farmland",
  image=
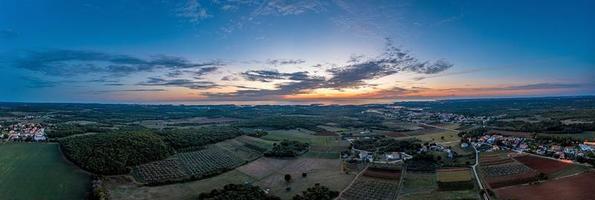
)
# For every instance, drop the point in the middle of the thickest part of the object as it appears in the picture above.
(268, 174)
(569, 188)
(454, 179)
(320, 146)
(425, 185)
(264, 172)
(366, 187)
(500, 170)
(418, 182)
(192, 165)
(543, 165)
(38, 171)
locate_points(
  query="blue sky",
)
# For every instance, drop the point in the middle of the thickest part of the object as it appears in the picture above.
(204, 51)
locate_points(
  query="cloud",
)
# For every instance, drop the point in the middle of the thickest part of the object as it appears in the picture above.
(270, 75)
(131, 90)
(193, 11)
(541, 86)
(205, 70)
(230, 78)
(359, 70)
(392, 61)
(77, 62)
(191, 84)
(288, 7)
(33, 82)
(285, 61)
(8, 34)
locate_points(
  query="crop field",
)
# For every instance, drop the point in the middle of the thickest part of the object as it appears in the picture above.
(38, 171)
(453, 175)
(577, 187)
(439, 136)
(121, 188)
(188, 165)
(240, 150)
(418, 182)
(301, 136)
(320, 146)
(268, 174)
(383, 172)
(443, 195)
(486, 160)
(209, 161)
(498, 169)
(454, 179)
(543, 165)
(502, 175)
(369, 188)
(256, 144)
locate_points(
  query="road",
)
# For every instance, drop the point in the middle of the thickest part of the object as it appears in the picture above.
(484, 196)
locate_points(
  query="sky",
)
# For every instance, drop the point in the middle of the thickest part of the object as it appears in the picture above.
(293, 52)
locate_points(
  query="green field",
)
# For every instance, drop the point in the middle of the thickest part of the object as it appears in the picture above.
(301, 136)
(38, 171)
(417, 182)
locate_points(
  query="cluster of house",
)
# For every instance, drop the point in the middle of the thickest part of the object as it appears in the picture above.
(440, 148)
(24, 132)
(418, 115)
(522, 144)
(367, 156)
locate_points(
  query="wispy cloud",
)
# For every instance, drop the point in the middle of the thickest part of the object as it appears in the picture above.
(8, 34)
(191, 84)
(130, 90)
(77, 62)
(193, 11)
(270, 75)
(285, 61)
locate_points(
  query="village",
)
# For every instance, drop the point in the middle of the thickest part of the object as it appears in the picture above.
(23, 132)
(564, 149)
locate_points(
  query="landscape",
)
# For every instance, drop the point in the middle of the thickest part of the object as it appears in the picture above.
(409, 150)
(297, 100)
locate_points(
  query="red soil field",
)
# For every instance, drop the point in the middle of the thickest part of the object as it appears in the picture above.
(577, 187)
(503, 181)
(543, 165)
(386, 174)
(493, 160)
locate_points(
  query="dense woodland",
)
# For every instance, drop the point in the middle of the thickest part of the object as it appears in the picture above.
(249, 192)
(113, 153)
(557, 108)
(195, 138)
(387, 145)
(287, 148)
(237, 191)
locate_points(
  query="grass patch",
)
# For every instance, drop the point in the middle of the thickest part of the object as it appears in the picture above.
(416, 182)
(38, 171)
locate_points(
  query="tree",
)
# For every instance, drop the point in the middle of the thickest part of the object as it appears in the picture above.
(287, 177)
(236, 191)
(317, 192)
